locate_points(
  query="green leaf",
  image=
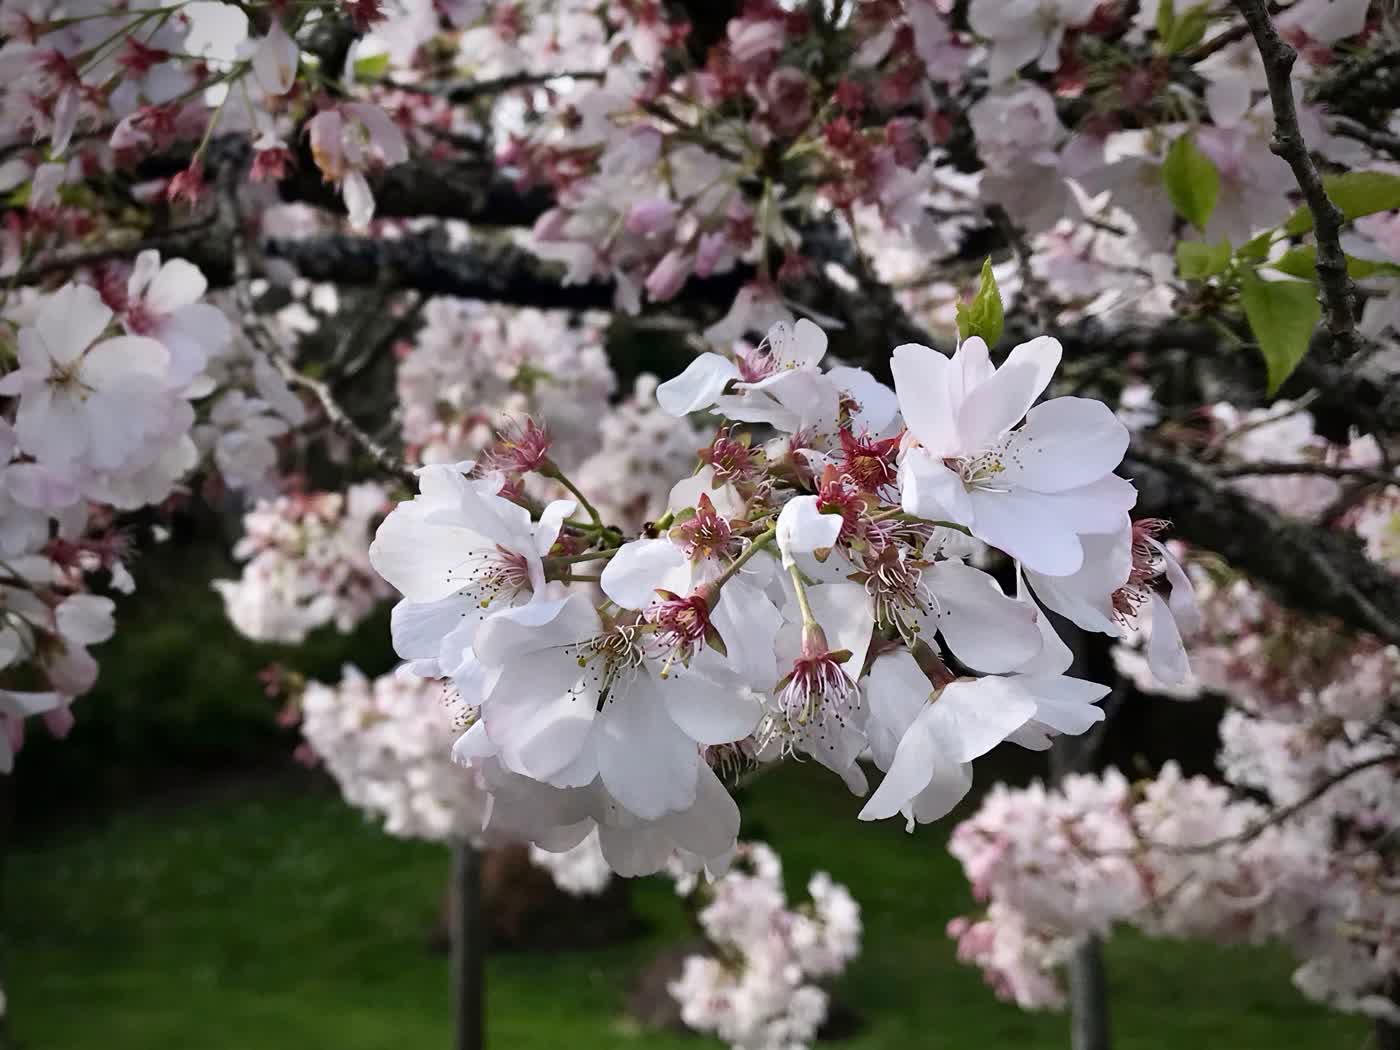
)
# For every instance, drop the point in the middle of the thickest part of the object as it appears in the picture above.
(1282, 316)
(983, 316)
(371, 67)
(1188, 30)
(1192, 181)
(1197, 260)
(1302, 262)
(1166, 15)
(1355, 193)
(1257, 248)
(1297, 262)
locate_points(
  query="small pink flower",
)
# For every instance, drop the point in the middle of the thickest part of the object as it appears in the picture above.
(669, 275)
(188, 185)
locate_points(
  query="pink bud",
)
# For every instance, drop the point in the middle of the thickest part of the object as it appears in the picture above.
(669, 275)
(651, 216)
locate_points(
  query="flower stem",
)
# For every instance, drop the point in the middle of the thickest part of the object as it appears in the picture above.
(761, 540)
(808, 620)
(574, 559)
(549, 470)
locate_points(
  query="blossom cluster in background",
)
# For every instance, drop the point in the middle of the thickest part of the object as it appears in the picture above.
(761, 987)
(1311, 712)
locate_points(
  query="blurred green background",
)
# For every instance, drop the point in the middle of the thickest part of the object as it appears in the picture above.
(173, 878)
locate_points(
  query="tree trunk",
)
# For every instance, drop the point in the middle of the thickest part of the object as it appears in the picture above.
(1088, 979)
(7, 793)
(1088, 997)
(468, 948)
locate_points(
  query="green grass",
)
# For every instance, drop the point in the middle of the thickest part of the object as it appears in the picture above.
(273, 918)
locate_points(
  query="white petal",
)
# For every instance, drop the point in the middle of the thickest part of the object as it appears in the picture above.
(801, 345)
(915, 762)
(1066, 443)
(997, 404)
(876, 404)
(359, 199)
(178, 283)
(1086, 596)
(986, 630)
(747, 622)
(633, 575)
(686, 493)
(127, 359)
(1182, 600)
(543, 624)
(1023, 525)
(539, 734)
(425, 563)
(928, 489)
(707, 712)
(645, 760)
(71, 320)
(1166, 655)
(1067, 705)
(551, 522)
(973, 717)
(697, 387)
(895, 692)
(85, 619)
(846, 618)
(275, 60)
(804, 529)
(972, 366)
(418, 628)
(708, 828)
(921, 383)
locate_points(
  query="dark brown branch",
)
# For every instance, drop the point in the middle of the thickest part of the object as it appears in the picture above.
(469, 91)
(1307, 566)
(167, 242)
(1219, 42)
(1380, 141)
(1327, 470)
(472, 190)
(1338, 293)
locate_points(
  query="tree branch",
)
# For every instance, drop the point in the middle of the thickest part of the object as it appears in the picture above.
(1284, 813)
(1310, 567)
(1327, 470)
(1338, 293)
(277, 355)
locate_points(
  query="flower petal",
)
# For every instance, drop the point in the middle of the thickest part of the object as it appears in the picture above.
(997, 404)
(703, 380)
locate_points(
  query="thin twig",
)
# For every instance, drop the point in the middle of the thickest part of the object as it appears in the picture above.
(272, 348)
(1327, 470)
(1284, 813)
(1380, 141)
(1217, 43)
(1338, 293)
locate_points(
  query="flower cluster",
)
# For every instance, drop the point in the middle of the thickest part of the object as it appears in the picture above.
(805, 592)
(387, 742)
(1183, 857)
(306, 564)
(97, 421)
(472, 369)
(1311, 731)
(761, 986)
